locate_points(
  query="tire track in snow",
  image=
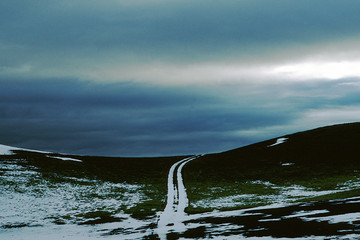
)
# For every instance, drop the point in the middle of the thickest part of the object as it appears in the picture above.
(174, 213)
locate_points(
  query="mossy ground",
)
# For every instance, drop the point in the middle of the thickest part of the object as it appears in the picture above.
(209, 196)
(316, 161)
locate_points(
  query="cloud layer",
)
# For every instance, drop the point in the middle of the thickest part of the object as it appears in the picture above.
(137, 78)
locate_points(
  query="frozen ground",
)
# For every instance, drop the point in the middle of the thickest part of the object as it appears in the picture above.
(33, 207)
(283, 194)
(36, 207)
(335, 219)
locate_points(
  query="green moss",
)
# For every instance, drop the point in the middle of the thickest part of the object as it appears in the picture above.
(145, 209)
(95, 214)
(258, 192)
(214, 190)
(338, 195)
(195, 210)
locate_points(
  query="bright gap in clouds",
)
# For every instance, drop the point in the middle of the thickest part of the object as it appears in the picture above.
(215, 73)
(314, 70)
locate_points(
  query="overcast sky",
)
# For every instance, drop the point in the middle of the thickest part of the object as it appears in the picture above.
(156, 77)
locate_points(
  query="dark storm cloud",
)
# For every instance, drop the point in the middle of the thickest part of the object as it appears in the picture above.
(84, 94)
(171, 28)
(131, 119)
(121, 119)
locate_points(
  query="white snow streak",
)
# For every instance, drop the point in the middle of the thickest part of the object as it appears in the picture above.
(279, 141)
(348, 217)
(306, 213)
(174, 212)
(65, 158)
(183, 200)
(5, 150)
(8, 150)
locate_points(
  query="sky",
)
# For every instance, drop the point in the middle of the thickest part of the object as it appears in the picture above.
(159, 78)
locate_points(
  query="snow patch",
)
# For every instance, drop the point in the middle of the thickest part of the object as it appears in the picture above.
(306, 213)
(279, 141)
(285, 194)
(287, 164)
(300, 191)
(228, 201)
(348, 217)
(8, 150)
(266, 183)
(65, 158)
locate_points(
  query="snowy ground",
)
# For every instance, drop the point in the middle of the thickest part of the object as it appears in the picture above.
(35, 207)
(335, 219)
(32, 207)
(283, 194)
(171, 219)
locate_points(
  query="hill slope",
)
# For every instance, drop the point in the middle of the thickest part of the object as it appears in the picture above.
(138, 184)
(335, 148)
(292, 178)
(322, 159)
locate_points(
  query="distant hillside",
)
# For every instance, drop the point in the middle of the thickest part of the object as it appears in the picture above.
(137, 184)
(322, 151)
(116, 169)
